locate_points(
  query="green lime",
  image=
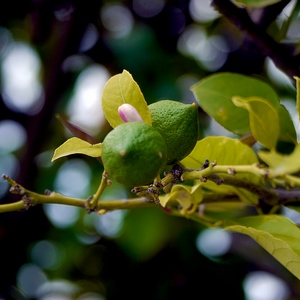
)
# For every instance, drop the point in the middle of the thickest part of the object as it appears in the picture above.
(178, 124)
(134, 153)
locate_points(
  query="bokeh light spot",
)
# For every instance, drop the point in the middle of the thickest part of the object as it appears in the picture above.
(29, 279)
(73, 178)
(21, 89)
(110, 223)
(117, 19)
(58, 290)
(210, 51)
(261, 285)
(276, 75)
(89, 38)
(213, 242)
(84, 108)
(5, 40)
(148, 8)
(61, 216)
(12, 136)
(9, 165)
(202, 11)
(47, 255)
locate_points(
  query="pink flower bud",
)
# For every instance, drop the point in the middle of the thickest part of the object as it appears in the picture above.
(128, 113)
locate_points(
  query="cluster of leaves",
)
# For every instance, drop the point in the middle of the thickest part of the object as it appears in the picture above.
(235, 176)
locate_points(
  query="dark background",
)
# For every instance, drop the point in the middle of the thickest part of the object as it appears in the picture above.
(153, 255)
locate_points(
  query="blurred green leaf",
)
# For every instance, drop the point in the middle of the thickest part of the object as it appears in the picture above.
(264, 120)
(145, 232)
(214, 94)
(276, 234)
(121, 89)
(282, 164)
(77, 146)
(256, 3)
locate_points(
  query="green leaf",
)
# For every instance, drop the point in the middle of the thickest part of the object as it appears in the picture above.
(75, 145)
(276, 234)
(281, 164)
(121, 89)
(256, 3)
(225, 151)
(214, 94)
(185, 195)
(264, 120)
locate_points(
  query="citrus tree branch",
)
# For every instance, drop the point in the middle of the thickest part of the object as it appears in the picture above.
(281, 54)
(30, 198)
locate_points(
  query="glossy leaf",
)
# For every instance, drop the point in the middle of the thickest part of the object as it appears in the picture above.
(263, 118)
(77, 146)
(256, 3)
(282, 164)
(276, 234)
(224, 151)
(121, 89)
(214, 94)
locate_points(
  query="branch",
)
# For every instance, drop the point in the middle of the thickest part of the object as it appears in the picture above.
(279, 53)
(30, 198)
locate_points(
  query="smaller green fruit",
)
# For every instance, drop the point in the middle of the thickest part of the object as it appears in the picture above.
(178, 124)
(134, 153)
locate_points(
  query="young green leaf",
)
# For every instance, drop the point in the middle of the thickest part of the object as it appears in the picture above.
(276, 234)
(214, 94)
(282, 164)
(224, 151)
(75, 145)
(185, 195)
(264, 120)
(121, 89)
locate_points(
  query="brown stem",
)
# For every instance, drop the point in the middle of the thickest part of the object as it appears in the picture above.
(279, 53)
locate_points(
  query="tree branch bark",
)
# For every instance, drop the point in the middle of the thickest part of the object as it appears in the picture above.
(281, 54)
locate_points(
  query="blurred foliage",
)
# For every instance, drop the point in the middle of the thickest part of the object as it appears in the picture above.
(134, 254)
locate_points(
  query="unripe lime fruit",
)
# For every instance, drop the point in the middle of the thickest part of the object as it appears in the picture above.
(178, 124)
(134, 153)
